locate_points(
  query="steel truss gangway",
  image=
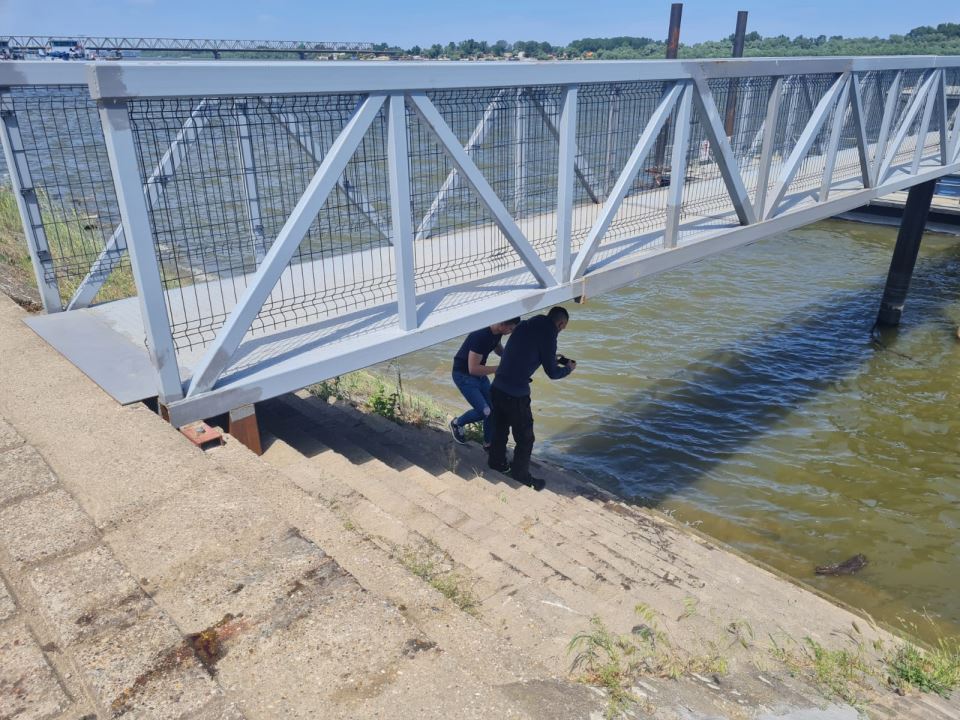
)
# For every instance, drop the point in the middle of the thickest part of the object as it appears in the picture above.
(35, 43)
(278, 224)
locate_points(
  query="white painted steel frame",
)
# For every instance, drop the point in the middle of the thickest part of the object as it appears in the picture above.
(400, 83)
(122, 152)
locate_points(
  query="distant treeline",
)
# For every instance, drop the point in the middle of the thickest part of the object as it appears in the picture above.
(944, 39)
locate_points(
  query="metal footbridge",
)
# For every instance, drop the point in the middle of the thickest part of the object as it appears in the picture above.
(218, 234)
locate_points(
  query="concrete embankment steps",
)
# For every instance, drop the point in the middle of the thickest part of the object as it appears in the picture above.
(543, 563)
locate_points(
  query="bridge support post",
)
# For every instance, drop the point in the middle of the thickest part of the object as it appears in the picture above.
(905, 253)
(242, 425)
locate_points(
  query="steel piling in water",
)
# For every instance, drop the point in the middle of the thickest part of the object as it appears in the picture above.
(905, 253)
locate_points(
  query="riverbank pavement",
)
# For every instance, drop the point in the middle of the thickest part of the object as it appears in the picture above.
(144, 578)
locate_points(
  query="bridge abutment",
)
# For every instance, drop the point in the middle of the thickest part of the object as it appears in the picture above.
(905, 253)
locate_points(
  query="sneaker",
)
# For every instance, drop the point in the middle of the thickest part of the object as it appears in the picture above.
(505, 468)
(457, 432)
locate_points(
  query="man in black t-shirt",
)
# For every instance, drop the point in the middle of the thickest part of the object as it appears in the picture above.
(470, 371)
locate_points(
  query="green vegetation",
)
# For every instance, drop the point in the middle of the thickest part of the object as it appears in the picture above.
(605, 659)
(13, 250)
(936, 670)
(75, 241)
(432, 565)
(376, 394)
(387, 398)
(944, 39)
(842, 674)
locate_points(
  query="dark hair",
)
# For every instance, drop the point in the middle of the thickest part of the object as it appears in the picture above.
(558, 313)
(512, 321)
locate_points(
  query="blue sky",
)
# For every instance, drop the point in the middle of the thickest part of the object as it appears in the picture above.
(428, 21)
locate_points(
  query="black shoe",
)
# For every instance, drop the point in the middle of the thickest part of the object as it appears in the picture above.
(505, 468)
(536, 483)
(457, 432)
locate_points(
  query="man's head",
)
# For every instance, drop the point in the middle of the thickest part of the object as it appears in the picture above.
(559, 316)
(506, 327)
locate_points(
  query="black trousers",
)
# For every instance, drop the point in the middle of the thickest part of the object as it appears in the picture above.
(512, 413)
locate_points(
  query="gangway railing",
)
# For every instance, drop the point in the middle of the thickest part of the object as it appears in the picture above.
(318, 220)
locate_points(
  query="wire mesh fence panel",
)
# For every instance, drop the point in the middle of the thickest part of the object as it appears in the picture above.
(66, 156)
(801, 95)
(207, 241)
(509, 134)
(610, 120)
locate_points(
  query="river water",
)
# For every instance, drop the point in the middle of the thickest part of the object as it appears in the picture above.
(743, 395)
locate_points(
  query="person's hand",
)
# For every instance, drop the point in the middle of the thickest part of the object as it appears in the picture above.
(572, 365)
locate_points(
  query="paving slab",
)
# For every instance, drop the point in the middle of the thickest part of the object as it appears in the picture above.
(23, 472)
(147, 670)
(88, 594)
(9, 437)
(29, 689)
(44, 526)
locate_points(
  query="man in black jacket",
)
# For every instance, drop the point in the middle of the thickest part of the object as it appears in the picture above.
(533, 344)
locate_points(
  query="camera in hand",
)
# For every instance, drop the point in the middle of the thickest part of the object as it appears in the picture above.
(563, 360)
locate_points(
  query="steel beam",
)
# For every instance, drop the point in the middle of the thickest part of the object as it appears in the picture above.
(209, 79)
(836, 131)
(248, 167)
(924, 127)
(217, 357)
(113, 250)
(28, 203)
(766, 149)
(475, 179)
(519, 152)
(678, 167)
(122, 152)
(566, 171)
(805, 142)
(398, 165)
(860, 129)
(889, 110)
(647, 138)
(942, 123)
(722, 152)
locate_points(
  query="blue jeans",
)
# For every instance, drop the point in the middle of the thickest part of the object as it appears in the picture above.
(477, 392)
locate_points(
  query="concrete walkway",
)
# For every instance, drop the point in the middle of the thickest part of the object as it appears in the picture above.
(144, 578)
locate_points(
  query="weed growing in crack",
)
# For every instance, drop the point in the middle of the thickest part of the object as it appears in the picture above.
(434, 566)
